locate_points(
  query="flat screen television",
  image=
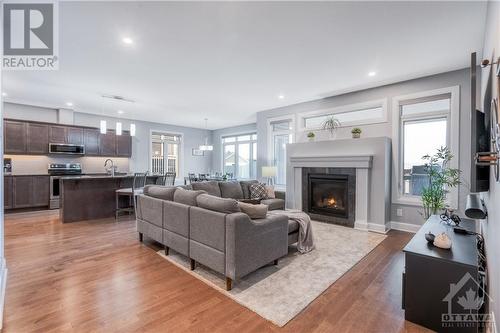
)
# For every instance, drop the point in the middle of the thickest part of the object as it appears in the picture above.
(480, 130)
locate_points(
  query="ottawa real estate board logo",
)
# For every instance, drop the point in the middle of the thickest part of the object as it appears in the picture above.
(30, 35)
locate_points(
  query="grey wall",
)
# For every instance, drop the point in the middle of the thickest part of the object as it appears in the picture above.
(460, 77)
(217, 140)
(192, 138)
(491, 226)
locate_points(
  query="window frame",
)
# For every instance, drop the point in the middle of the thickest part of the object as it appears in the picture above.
(379, 103)
(270, 138)
(253, 175)
(180, 152)
(453, 119)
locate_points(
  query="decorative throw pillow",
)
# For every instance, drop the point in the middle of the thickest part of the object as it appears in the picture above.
(253, 211)
(258, 191)
(270, 192)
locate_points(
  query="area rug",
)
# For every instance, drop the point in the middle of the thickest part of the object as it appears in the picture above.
(279, 293)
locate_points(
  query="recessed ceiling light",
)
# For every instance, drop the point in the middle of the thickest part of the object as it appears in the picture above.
(69, 103)
(4, 94)
(281, 96)
(372, 73)
(128, 40)
(120, 111)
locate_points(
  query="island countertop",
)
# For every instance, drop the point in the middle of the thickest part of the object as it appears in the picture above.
(93, 196)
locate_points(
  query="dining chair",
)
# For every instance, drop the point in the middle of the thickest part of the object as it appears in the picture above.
(202, 177)
(137, 188)
(168, 179)
(192, 177)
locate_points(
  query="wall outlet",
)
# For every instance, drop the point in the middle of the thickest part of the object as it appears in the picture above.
(399, 212)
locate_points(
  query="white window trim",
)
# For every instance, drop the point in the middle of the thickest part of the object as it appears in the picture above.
(221, 137)
(344, 109)
(270, 132)
(181, 150)
(270, 143)
(453, 137)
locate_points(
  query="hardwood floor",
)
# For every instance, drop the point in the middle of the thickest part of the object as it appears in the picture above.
(97, 277)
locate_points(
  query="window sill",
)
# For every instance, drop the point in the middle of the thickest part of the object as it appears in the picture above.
(407, 201)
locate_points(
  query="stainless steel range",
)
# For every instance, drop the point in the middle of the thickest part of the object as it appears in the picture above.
(56, 171)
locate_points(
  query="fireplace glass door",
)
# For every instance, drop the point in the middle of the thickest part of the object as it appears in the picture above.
(328, 195)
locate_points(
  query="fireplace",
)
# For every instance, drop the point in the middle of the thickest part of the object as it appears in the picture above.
(329, 194)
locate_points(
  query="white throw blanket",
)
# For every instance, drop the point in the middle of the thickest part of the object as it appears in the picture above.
(306, 241)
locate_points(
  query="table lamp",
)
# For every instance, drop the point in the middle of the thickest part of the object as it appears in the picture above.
(269, 172)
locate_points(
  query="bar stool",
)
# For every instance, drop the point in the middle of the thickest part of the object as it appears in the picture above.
(138, 184)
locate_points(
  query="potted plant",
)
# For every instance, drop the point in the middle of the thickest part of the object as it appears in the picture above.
(356, 133)
(441, 178)
(331, 124)
(311, 136)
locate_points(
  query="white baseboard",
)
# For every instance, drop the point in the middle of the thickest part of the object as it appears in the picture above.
(407, 227)
(3, 285)
(374, 227)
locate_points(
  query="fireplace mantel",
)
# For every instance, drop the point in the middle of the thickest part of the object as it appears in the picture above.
(370, 157)
(333, 161)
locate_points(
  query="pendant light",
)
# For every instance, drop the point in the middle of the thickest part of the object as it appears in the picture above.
(102, 124)
(118, 128)
(206, 146)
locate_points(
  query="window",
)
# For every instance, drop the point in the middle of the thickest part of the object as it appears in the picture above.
(424, 125)
(281, 133)
(240, 156)
(165, 152)
(349, 115)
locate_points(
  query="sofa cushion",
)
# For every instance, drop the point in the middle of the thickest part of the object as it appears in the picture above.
(185, 187)
(270, 192)
(253, 211)
(293, 226)
(231, 190)
(160, 192)
(222, 205)
(187, 197)
(245, 187)
(211, 187)
(258, 191)
(274, 204)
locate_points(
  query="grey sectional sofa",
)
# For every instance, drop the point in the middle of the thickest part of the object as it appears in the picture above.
(205, 225)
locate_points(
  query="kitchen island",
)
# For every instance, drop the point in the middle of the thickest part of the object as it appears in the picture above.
(90, 197)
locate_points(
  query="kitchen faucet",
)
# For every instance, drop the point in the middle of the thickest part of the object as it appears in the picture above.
(112, 167)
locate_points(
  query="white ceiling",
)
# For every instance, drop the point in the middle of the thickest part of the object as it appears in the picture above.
(226, 61)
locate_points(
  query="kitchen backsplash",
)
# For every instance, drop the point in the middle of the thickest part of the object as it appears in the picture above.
(24, 164)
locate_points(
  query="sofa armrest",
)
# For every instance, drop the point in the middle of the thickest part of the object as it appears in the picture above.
(280, 194)
(251, 244)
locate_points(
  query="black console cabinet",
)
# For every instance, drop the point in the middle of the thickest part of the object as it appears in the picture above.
(440, 286)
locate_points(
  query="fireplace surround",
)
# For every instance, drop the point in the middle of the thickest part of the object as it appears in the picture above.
(329, 194)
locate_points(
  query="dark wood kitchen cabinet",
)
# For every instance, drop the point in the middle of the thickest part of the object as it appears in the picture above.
(8, 191)
(58, 134)
(107, 144)
(124, 145)
(26, 191)
(41, 191)
(33, 138)
(14, 137)
(37, 137)
(91, 141)
(75, 135)
(23, 191)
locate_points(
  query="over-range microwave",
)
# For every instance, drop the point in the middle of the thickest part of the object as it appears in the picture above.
(64, 148)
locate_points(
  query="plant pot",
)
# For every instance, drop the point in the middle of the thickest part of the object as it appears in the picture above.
(310, 139)
(356, 135)
(332, 135)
